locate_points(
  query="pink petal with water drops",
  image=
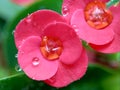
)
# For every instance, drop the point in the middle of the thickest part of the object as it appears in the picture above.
(116, 20)
(72, 46)
(70, 6)
(66, 74)
(33, 63)
(112, 47)
(34, 24)
(89, 34)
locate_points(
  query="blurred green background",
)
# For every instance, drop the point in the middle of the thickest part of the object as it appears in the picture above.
(103, 72)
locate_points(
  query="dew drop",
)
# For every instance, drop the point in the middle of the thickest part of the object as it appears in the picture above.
(17, 68)
(75, 28)
(28, 20)
(13, 32)
(19, 46)
(65, 10)
(35, 61)
(33, 78)
(16, 55)
(23, 41)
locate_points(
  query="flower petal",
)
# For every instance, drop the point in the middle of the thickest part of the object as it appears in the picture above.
(72, 46)
(67, 74)
(69, 6)
(89, 34)
(116, 19)
(112, 47)
(34, 24)
(33, 63)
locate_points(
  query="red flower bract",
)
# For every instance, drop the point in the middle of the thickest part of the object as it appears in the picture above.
(104, 39)
(49, 49)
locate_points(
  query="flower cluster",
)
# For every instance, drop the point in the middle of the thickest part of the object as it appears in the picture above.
(49, 45)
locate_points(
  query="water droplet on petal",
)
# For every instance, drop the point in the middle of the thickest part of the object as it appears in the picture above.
(19, 46)
(23, 41)
(17, 68)
(65, 10)
(33, 78)
(28, 20)
(75, 28)
(35, 61)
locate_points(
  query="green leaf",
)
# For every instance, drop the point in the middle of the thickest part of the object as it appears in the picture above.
(17, 82)
(9, 46)
(2, 24)
(96, 78)
(3, 72)
(111, 82)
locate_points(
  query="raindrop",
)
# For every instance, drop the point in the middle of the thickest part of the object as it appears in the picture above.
(19, 46)
(75, 28)
(28, 20)
(13, 32)
(35, 61)
(65, 10)
(33, 78)
(17, 68)
(23, 41)
(16, 55)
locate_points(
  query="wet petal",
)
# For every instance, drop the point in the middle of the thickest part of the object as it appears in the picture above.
(112, 47)
(33, 63)
(34, 24)
(89, 34)
(72, 46)
(116, 19)
(67, 74)
(70, 6)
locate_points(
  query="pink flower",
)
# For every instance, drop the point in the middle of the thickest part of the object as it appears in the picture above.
(23, 2)
(49, 49)
(95, 24)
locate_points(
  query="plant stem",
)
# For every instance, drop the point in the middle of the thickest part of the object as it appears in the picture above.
(112, 2)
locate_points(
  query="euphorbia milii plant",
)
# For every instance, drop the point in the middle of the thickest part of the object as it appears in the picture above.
(96, 22)
(49, 49)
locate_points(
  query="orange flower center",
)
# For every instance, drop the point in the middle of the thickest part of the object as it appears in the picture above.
(97, 15)
(51, 48)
